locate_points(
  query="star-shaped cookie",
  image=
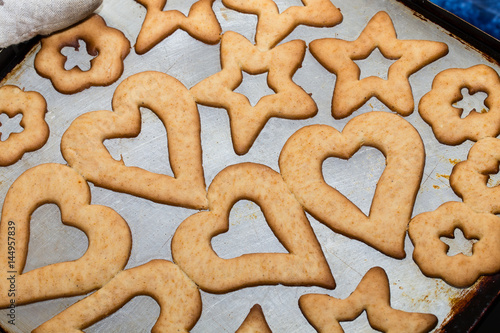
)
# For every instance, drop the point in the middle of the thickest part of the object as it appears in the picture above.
(350, 93)
(273, 26)
(373, 296)
(289, 101)
(201, 23)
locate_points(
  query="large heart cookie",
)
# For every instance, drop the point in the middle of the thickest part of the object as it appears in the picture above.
(305, 263)
(109, 237)
(385, 228)
(178, 297)
(82, 144)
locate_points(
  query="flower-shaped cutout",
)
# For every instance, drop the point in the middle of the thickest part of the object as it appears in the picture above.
(273, 26)
(108, 45)
(350, 93)
(35, 132)
(373, 296)
(289, 101)
(201, 23)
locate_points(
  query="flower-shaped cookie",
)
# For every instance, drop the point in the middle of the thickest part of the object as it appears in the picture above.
(82, 144)
(109, 237)
(108, 45)
(459, 270)
(305, 263)
(373, 296)
(201, 23)
(384, 229)
(178, 297)
(436, 107)
(350, 93)
(35, 132)
(237, 55)
(273, 26)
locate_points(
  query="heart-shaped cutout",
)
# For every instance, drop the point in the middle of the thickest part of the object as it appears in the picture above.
(109, 237)
(82, 144)
(178, 297)
(392, 206)
(305, 263)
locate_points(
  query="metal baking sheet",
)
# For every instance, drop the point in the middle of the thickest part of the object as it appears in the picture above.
(153, 224)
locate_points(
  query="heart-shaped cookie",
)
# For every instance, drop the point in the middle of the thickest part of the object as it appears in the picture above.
(82, 144)
(385, 228)
(178, 297)
(109, 237)
(305, 263)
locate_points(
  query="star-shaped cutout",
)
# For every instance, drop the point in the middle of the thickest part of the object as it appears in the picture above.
(273, 26)
(373, 296)
(201, 23)
(350, 93)
(289, 101)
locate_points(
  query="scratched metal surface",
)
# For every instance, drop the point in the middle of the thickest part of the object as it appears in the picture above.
(153, 224)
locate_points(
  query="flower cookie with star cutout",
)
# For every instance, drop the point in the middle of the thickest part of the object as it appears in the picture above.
(239, 55)
(350, 93)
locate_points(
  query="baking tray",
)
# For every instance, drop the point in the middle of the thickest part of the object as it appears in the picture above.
(153, 224)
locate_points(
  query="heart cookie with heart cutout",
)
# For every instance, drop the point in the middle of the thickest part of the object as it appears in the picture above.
(304, 265)
(385, 228)
(178, 297)
(82, 144)
(109, 237)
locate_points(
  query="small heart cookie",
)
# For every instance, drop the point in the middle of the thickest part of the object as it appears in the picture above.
(109, 237)
(385, 228)
(178, 297)
(82, 144)
(305, 263)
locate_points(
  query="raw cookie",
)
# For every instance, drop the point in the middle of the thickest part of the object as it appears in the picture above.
(178, 297)
(33, 107)
(108, 45)
(273, 26)
(305, 263)
(82, 144)
(459, 270)
(350, 93)
(201, 23)
(289, 101)
(373, 296)
(109, 237)
(384, 229)
(436, 107)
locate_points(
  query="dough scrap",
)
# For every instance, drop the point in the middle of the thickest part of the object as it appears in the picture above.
(469, 178)
(289, 101)
(178, 297)
(273, 26)
(255, 322)
(305, 263)
(32, 106)
(109, 46)
(373, 296)
(201, 23)
(385, 228)
(436, 107)
(460, 270)
(350, 93)
(107, 254)
(82, 143)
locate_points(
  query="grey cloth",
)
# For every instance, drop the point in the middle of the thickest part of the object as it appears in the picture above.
(21, 20)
